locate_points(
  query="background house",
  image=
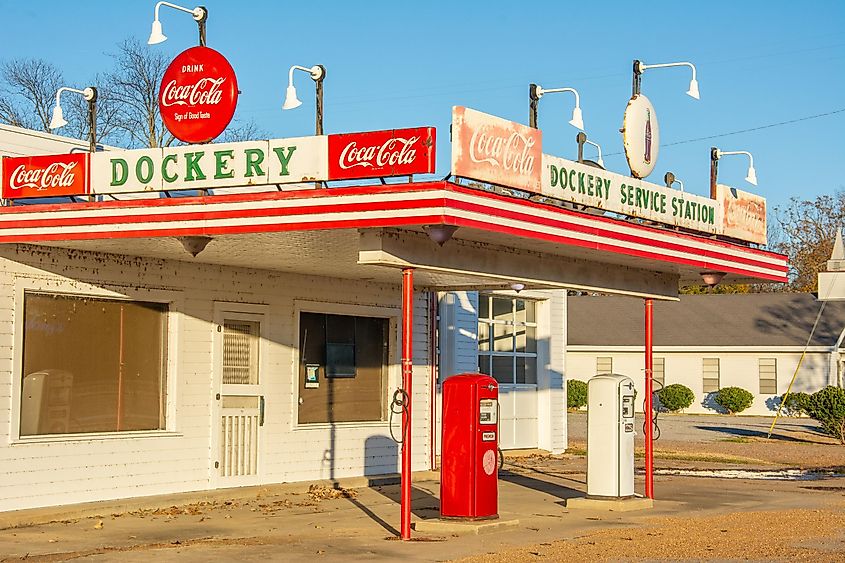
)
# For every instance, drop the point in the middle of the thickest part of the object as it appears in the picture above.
(707, 342)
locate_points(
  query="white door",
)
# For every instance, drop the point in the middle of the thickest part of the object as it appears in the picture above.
(239, 396)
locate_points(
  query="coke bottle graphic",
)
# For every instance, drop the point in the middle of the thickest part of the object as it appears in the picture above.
(647, 156)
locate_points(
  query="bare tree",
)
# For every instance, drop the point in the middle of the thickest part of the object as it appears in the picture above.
(133, 88)
(806, 232)
(28, 92)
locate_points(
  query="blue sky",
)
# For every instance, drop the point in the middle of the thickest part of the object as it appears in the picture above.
(398, 64)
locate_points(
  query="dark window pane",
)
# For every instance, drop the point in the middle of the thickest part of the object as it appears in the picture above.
(92, 365)
(503, 369)
(484, 364)
(526, 370)
(483, 306)
(502, 309)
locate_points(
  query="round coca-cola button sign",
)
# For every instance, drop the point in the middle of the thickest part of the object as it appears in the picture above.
(198, 95)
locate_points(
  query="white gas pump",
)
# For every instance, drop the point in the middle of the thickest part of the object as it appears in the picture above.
(610, 436)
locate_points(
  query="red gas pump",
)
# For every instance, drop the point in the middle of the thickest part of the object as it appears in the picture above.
(469, 454)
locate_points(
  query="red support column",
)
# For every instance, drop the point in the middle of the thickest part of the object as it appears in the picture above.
(407, 365)
(649, 426)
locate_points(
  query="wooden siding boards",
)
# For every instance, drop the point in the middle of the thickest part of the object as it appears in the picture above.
(44, 472)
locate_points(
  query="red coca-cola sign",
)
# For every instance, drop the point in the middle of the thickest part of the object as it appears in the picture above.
(375, 154)
(45, 176)
(198, 95)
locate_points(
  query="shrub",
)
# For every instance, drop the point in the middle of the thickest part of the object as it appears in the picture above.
(676, 397)
(828, 407)
(576, 394)
(796, 403)
(733, 399)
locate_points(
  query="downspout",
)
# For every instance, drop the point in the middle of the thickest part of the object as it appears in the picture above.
(836, 359)
(433, 358)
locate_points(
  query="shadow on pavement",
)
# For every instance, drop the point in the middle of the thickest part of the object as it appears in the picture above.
(554, 489)
(750, 433)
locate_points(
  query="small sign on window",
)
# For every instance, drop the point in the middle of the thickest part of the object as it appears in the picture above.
(312, 376)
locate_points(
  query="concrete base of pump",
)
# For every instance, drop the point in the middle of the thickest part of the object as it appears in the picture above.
(612, 504)
(445, 526)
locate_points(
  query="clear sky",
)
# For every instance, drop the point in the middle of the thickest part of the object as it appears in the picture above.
(399, 64)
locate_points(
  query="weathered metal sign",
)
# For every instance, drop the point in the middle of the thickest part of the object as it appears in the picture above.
(595, 187)
(198, 95)
(743, 214)
(45, 176)
(495, 150)
(249, 163)
(395, 152)
(640, 136)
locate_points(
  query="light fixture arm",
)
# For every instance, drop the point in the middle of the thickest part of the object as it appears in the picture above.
(716, 154)
(90, 95)
(640, 68)
(535, 92)
(598, 148)
(318, 74)
(200, 15)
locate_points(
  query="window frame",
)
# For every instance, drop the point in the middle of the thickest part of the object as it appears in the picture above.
(761, 379)
(513, 354)
(599, 360)
(704, 377)
(393, 375)
(173, 300)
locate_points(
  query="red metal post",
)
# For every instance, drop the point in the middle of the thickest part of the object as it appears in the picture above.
(407, 365)
(649, 443)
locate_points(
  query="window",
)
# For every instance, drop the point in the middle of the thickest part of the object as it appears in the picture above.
(342, 368)
(710, 374)
(240, 352)
(768, 376)
(604, 365)
(92, 365)
(507, 339)
(658, 372)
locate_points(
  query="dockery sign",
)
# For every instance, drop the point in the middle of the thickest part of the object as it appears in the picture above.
(198, 95)
(396, 152)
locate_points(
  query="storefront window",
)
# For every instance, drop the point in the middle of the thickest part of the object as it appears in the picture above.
(92, 365)
(343, 368)
(507, 339)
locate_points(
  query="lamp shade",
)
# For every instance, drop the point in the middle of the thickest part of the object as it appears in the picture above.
(58, 119)
(577, 119)
(156, 35)
(291, 101)
(693, 89)
(752, 176)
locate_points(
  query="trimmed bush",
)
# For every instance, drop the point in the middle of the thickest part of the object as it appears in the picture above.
(733, 399)
(828, 407)
(576, 394)
(676, 397)
(796, 403)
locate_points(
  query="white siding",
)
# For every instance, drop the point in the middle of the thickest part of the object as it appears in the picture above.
(47, 472)
(736, 369)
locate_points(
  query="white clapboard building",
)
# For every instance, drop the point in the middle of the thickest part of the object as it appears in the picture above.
(706, 342)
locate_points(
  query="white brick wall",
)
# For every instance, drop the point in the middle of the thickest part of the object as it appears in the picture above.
(53, 471)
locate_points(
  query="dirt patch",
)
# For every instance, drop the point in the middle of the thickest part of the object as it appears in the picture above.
(799, 535)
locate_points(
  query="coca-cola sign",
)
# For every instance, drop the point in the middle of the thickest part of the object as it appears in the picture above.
(45, 176)
(395, 152)
(198, 95)
(492, 149)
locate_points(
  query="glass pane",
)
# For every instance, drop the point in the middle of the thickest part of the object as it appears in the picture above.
(520, 311)
(530, 311)
(502, 338)
(526, 340)
(484, 337)
(92, 365)
(502, 309)
(526, 370)
(483, 306)
(503, 369)
(484, 364)
(240, 352)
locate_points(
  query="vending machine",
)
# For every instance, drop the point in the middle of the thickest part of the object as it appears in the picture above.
(470, 449)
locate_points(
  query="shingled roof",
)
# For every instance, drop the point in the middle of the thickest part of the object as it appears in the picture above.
(758, 319)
